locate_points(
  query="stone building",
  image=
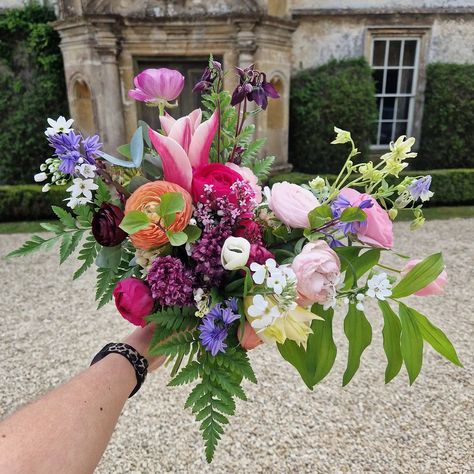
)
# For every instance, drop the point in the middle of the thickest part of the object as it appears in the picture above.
(106, 42)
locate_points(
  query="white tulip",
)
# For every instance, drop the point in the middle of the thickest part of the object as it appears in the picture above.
(235, 253)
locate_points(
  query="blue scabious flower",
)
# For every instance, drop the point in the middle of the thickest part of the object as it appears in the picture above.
(420, 188)
(339, 205)
(215, 326)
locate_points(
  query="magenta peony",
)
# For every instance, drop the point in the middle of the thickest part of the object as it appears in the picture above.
(436, 287)
(259, 254)
(133, 300)
(292, 203)
(317, 270)
(378, 228)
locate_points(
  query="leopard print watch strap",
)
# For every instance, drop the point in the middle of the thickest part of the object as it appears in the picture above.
(140, 364)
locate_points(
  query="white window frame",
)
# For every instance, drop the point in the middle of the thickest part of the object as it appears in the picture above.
(400, 68)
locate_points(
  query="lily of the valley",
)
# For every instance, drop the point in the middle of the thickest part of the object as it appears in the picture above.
(185, 146)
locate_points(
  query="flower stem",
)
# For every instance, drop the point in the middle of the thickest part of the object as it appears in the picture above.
(388, 268)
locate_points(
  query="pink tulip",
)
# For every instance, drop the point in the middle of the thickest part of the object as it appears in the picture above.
(436, 287)
(185, 147)
(157, 85)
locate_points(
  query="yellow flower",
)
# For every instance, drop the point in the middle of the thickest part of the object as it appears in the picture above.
(273, 325)
(342, 136)
(368, 172)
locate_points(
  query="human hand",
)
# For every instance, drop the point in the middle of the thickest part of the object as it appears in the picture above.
(140, 340)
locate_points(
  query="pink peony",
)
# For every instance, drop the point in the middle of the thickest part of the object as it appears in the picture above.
(378, 228)
(291, 204)
(133, 300)
(317, 270)
(249, 340)
(157, 85)
(436, 287)
(250, 178)
(259, 254)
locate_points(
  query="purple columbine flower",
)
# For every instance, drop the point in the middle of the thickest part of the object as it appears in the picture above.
(91, 145)
(420, 188)
(69, 161)
(210, 74)
(215, 326)
(339, 205)
(64, 143)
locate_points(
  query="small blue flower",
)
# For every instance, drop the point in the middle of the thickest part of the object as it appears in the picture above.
(420, 188)
(68, 162)
(65, 143)
(91, 146)
(339, 205)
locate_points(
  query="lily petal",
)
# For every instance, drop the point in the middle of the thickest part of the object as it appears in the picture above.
(167, 122)
(176, 167)
(202, 140)
(195, 116)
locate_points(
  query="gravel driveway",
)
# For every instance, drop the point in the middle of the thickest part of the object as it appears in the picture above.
(50, 330)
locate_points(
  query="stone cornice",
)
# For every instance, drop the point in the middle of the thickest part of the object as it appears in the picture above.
(299, 13)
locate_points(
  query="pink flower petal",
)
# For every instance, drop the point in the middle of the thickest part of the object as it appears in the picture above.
(195, 116)
(176, 167)
(167, 122)
(139, 95)
(181, 132)
(202, 140)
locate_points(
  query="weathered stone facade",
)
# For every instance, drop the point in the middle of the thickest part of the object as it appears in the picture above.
(103, 42)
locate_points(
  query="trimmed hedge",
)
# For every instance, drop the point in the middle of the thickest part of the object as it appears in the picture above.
(448, 118)
(27, 202)
(32, 88)
(450, 187)
(339, 93)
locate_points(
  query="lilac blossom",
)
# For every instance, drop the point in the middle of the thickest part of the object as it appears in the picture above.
(215, 326)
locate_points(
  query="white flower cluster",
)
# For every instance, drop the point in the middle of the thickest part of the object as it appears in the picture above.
(82, 186)
(203, 302)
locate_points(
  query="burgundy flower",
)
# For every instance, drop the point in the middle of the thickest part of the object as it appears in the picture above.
(250, 230)
(105, 225)
(259, 254)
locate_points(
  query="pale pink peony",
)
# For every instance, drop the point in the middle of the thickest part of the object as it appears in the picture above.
(291, 204)
(436, 287)
(317, 270)
(378, 228)
(157, 85)
(250, 178)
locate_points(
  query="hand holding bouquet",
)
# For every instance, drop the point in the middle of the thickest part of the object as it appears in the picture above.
(185, 237)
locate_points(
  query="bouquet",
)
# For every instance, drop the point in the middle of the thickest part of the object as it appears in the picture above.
(185, 237)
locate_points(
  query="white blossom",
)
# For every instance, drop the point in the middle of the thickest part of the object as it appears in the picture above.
(379, 287)
(260, 271)
(61, 125)
(82, 187)
(86, 170)
(261, 310)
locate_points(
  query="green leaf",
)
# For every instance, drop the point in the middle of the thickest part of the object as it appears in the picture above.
(87, 255)
(193, 232)
(102, 194)
(116, 161)
(421, 275)
(319, 216)
(33, 245)
(69, 243)
(175, 345)
(84, 216)
(134, 221)
(435, 337)
(411, 343)
(353, 214)
(187, 374)
(360, 265)
(67, 219)
(56, 228)
(177, 238)
(391, 341)
(145, 127)
(109, 257)
(359, 334)
(169, 219)
(136, 147)
(125, 150)
(170, 203)
(174, 318)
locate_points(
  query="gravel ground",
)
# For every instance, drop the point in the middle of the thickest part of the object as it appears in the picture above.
(50, 330)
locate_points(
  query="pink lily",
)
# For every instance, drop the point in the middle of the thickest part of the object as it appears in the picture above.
(185, 147)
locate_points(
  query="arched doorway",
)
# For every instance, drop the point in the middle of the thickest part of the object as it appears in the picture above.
(82, 109)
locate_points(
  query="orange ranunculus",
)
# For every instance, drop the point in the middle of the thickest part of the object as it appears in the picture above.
(145, 199)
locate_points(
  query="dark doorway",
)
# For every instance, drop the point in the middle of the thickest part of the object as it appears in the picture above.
(191, 68)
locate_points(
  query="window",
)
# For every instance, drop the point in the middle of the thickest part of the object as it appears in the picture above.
(395, 63)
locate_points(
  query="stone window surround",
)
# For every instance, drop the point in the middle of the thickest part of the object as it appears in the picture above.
(423, 34)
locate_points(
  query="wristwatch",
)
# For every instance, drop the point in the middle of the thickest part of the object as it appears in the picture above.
(140, 364)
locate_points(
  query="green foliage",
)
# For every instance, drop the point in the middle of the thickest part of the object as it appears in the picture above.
(27, 202)
(134, 221)
(338, 93)
(391, 341)
(450, 186)
(411, 343)
(447, 133)
(32, 88)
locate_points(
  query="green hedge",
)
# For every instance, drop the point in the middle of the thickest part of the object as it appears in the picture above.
(339, 93)
(448, 118)
(27, 202)
(450, 187)
(32, 88)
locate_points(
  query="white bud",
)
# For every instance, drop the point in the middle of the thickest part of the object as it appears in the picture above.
(40, 177)
(46, 188)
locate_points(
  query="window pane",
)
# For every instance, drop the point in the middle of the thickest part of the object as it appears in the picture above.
(409, 53)
(378, 58)
(379, 103)
(378, 78)
(388, 108)
(394, 53)
(400, 129)
(407, 81)
(403, 108)
(386, 133)
(392, 81)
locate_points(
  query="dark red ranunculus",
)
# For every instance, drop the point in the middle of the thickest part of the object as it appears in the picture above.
(219, 176)
(259, 254)
(133, 300)
(105, 225)
(250, 230)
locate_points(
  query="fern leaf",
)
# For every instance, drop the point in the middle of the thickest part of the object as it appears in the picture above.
(87, 254)
(69, 243)
(84, 215)
(176, 345)
(187, 374)
(102, 194)
(67, 219)
(33, 245)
